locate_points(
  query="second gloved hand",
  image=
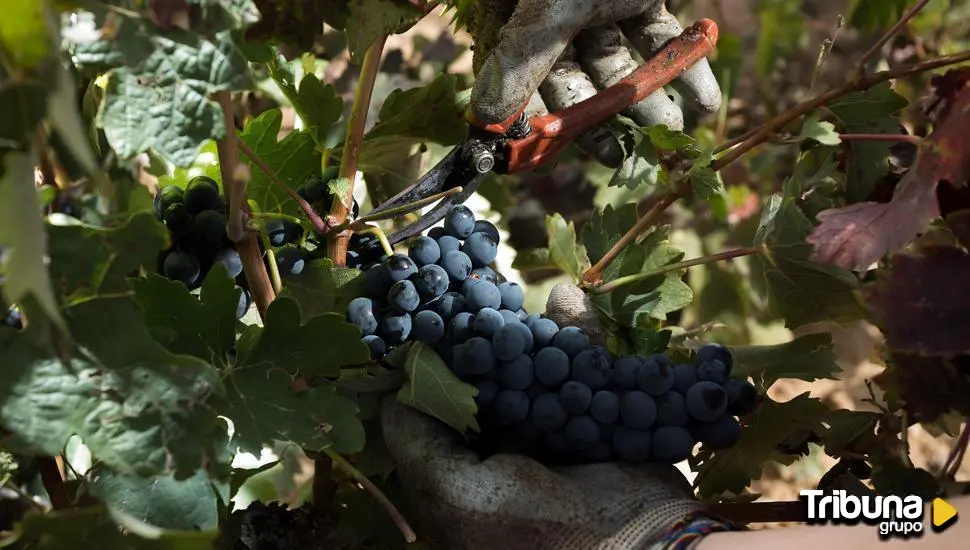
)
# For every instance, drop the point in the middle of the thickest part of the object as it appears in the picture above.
(567, 49)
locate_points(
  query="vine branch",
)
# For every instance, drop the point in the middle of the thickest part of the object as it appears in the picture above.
(337, 244)
(896, 138)
(860, 68)
(234, 180)
(53, 481)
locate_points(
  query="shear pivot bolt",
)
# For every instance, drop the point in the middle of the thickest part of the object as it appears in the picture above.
(482, 159)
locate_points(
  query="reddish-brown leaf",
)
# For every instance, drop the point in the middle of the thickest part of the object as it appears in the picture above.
(856, 236)
(922, 305)
(169, 13)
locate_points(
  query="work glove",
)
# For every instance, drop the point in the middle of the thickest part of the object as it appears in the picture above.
(567, 49)
(512, 502)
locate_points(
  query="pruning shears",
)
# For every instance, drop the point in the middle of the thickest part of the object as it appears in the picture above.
(520, 143)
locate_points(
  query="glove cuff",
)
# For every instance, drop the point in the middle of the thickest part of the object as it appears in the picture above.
(690, 529)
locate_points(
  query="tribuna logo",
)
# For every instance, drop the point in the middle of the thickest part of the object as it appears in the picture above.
(894, 515)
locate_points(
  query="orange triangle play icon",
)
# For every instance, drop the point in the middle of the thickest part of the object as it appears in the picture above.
(943, 514)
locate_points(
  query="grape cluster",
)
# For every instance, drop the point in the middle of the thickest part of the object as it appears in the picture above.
(543, 385)
(570, 401)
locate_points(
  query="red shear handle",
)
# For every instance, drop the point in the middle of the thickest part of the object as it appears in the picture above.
(551, 133)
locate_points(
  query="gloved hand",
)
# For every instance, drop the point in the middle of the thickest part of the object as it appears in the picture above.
(512, 502)
(566, 49)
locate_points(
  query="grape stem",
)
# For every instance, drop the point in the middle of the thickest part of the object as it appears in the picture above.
(377, 232)
(382, 500)
(745, 143)
(337, 243)
(234, 186)
(620, 282)
(411, 206)
(860, 67)
(53, 481)
(903, 138)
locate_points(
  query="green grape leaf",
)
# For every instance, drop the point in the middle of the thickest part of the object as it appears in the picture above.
(203, 327)
(294, 159)
(763, 440)
(278, 389)
(872, 15)
(868, 112)
(323, 288)
(372, 18)
(816, 129)
(23, 239)
(8, 467)
(319, 108)
(564, 252)
(158, 88)
(97, 527)
(205, 164)
(662, 137)
(434, 390)
(88, 260)
(428, 113)
(140, 409)
(162, 501)
(24, 37)
(809, 358)
(798, 289)
(533, 259)
(653, 296)
(891, 477)
(705, 182)
(641, 165)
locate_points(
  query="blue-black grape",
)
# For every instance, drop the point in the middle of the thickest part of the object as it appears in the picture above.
(181, 266)
(517, 374)
(290, 260)
(436, 232)
(430, 281)
(581, 433)
(531, 320)
(487, 227)
(466, 287)
(398, 267)
(671, 410)
(177, 218)
(424, 251)
(459, 222)
(509, 316)
(625, 372)
(706, 401)
(449, 305)
(394, 328)
(209, 228)
(487, 390)
(716, 352)
(605, 407)
(631, 445)
(487, 322)
(376, 345)
(446, 244)
(576, 397)
(460, 327)
(483, 295)
(315, 189)
(548, 415)
(167, 196)
(445, 349)
(245, 300)
(485, 273)
(428, 327)
(536, 388)
(655, 378)
(360, 312)
(481, 248)
(572, 340)
(201, 194)
(512, 295)
(375, 285)
(510, 407)
(671, 444)
(473, 358)
(544, 331)
(457, 265)
(527, 337)
(685, 376)
(719, 434)
(712, 370)
(522, 315)
(552, 366)
(592, 367)
(507, 343)
(638, 410)
(403, 296)
(281, 232)
(229, 258)
(742, 396)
